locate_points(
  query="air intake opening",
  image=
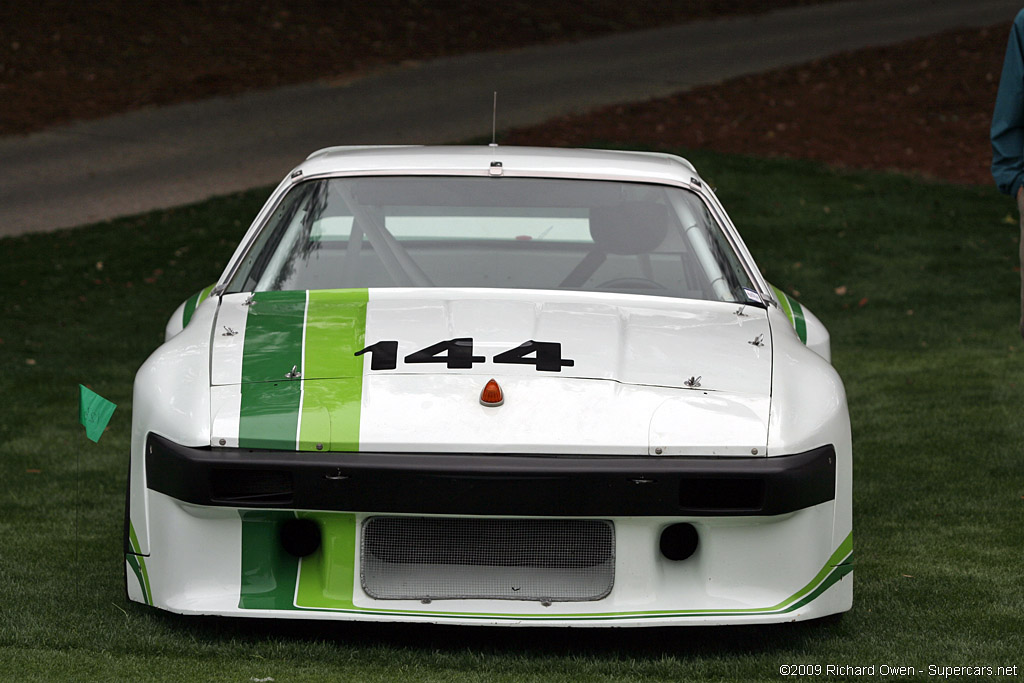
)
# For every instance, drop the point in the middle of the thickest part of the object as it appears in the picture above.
(447, 558)
(679, 541)
(714, 494)
(300, 537)
(250, 487)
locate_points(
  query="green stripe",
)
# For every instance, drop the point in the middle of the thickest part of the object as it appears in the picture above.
(190, 308)
(327, 576)
(325, 579)
(193, 302)
(273, 346)
(335, 330)
(798, 320)
(830, 575)
(134, 563)
(138, 564)
(268, 573)
(794, 311)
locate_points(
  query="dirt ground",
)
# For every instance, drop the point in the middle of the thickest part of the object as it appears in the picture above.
(923, 106)
(61, 60)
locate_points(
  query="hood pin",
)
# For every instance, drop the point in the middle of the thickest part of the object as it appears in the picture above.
(294, 374)
(693, 382)
(228, 332)
(757, 341)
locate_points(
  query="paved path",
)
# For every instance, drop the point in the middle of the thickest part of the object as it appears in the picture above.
(169, 156)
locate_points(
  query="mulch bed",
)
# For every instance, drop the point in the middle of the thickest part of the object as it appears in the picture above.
(62, 60)
(923, 106)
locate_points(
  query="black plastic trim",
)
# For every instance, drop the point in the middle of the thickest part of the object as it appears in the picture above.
(491, 484)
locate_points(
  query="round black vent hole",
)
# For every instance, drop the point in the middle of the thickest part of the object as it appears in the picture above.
(300, 537)
(679, 541)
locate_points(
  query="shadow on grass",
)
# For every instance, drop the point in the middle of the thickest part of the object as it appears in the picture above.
(615, 643)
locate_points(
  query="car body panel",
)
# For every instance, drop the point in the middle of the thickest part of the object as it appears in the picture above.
(644, 349)
(652, 393)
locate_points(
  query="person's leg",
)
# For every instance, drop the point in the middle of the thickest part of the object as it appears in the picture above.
(1020, 208)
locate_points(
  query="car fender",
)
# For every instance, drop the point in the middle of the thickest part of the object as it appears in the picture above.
(185, 311)
(171, 397)
(805, 324)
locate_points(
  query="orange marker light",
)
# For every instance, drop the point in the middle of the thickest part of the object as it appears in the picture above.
(491, 396)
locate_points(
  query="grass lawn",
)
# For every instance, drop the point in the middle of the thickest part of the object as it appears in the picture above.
(915, 280)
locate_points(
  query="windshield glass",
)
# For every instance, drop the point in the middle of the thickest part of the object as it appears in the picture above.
(532, 233)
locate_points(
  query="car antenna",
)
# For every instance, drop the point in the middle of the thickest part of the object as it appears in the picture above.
(494, 122)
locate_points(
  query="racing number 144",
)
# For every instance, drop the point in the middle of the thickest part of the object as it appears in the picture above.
(457, 354)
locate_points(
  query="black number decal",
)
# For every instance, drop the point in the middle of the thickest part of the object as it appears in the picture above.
(458, 354)
(546, 356)
(383, 354)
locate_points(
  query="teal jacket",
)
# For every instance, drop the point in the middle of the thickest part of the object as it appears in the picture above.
(1007, 130)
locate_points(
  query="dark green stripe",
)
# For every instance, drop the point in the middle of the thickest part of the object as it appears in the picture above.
(791, 307)
(193, 302)
(268, 572)
(798, 320)
(325, 580)
(138, 564)
(273, 346)
(133, 562)
(190, 308)
(838, 573)
(269, 415)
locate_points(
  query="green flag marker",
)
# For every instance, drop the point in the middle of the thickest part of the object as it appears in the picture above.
(94, 412)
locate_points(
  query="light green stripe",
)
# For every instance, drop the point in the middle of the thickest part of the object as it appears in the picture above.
(791, 307)
(205, 293)
(193, 303)
(270, 576)
(314, 593)
(273, 346)
(332, 373)
(798, 320)
(784, 302)
(139, 565)
(327, 577)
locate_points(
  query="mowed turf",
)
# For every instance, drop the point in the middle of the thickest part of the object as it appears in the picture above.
(916, 281)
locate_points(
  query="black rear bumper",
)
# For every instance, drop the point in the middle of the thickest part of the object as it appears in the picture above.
(491, 484)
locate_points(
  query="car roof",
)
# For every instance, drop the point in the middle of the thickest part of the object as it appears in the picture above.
(497, 160)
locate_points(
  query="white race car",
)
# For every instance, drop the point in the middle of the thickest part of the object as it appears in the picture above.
(488, 385)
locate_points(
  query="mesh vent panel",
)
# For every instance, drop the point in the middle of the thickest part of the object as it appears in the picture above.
(436, 558)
